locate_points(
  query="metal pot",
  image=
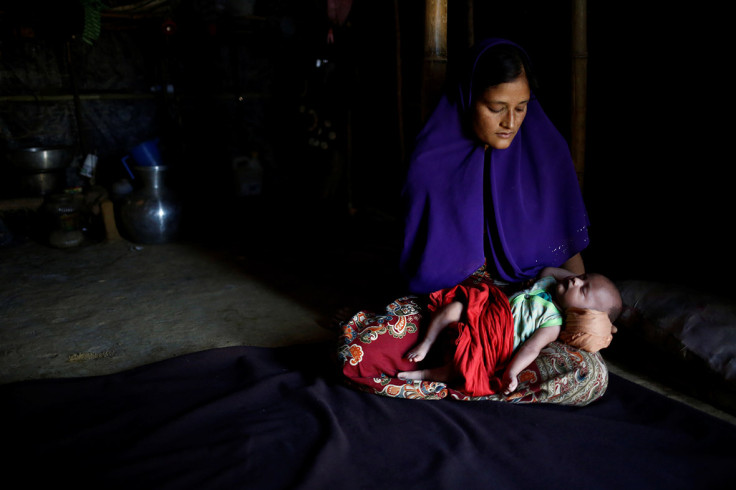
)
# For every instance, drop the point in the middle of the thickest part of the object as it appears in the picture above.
(40, 159)
(42, 183)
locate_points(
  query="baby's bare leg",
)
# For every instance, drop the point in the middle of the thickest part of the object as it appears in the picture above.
(449, 313)
(442, 373)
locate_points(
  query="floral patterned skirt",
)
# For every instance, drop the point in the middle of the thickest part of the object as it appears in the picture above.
(372, 346)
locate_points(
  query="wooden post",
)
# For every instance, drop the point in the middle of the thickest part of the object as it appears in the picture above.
(399, 84)
(579, 85)
(435, 53)
(471, 22)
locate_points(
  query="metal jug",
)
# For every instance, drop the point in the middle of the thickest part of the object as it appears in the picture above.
(151, 213)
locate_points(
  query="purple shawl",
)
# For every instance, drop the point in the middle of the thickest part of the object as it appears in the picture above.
(518, 209)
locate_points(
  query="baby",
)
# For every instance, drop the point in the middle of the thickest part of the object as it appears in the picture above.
(538, 318)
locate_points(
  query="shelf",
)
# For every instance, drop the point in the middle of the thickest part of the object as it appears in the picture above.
(123, 96)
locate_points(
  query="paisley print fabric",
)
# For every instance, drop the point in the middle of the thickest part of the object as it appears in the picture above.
(371, 350)
(373, 345)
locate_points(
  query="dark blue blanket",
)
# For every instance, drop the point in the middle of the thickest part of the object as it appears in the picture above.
(248, 417)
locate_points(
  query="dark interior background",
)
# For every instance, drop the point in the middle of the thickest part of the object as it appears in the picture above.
(217, 82)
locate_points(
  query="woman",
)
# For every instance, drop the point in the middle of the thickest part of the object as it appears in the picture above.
(491, 181)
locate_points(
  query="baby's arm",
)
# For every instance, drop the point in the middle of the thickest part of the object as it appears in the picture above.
(526, 354)
(445, 315)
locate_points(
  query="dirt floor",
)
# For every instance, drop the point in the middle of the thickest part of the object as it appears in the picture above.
(106, 306)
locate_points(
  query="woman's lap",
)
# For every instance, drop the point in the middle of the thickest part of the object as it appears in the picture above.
(372, 347)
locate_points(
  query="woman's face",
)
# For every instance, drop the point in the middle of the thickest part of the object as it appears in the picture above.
(499, 112)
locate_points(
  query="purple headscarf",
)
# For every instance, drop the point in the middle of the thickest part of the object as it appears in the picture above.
(518, 209)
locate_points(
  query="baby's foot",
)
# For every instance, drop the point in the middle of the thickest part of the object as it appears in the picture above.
(411, 374)
(418, 353)
(442, 374)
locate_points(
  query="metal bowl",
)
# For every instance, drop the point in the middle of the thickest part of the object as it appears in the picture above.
(42, 183)
(41, 159)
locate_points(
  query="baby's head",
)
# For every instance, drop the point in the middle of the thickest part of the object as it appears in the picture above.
(589, 291)
(592, 303)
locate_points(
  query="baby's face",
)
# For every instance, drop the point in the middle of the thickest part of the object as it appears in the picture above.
(591, 291)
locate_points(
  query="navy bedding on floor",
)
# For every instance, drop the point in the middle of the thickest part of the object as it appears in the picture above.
(278, 418)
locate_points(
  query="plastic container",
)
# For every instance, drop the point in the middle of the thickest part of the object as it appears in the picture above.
(145, 154)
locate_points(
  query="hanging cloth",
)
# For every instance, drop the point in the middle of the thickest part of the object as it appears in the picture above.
(337, 13)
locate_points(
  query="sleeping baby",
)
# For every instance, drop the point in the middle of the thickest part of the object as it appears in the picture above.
(589, 303)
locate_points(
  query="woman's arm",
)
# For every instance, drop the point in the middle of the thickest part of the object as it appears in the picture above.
(526, 354)
(575, 265)
(557, 272)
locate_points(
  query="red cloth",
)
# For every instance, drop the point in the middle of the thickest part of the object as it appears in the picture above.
(485, 339)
